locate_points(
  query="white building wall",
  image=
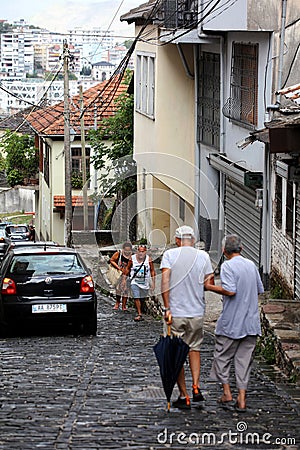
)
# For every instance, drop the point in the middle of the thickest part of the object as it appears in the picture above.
(168, 152)
(16, 199)
(252, 157)
(225, 16)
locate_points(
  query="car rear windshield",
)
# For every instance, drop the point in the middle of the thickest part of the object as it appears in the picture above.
(17, 229)
(46, 264)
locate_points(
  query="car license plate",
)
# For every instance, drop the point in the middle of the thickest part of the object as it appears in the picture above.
(49, 308)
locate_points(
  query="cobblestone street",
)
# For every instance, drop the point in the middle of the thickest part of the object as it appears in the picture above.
(66, 392)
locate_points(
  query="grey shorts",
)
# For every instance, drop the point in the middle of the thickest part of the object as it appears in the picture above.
(138, 292)
(190, 329)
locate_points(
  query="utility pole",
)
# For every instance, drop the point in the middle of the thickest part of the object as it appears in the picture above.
(67, 150)
(96, 178)
(83, 163)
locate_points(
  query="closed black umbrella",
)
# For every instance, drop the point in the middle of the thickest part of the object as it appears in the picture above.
(171, 353)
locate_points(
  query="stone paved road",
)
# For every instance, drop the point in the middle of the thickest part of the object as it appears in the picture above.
(84, 393)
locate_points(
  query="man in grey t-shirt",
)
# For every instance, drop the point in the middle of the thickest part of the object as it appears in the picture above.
(184, 270)
(239, 323)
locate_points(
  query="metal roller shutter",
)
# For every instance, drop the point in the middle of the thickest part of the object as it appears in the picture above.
(243, 218)
(297, 246)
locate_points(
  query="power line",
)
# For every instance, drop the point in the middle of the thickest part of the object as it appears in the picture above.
(120, 70)
(291, 66)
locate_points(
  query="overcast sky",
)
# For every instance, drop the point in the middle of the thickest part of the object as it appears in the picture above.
(62, 15)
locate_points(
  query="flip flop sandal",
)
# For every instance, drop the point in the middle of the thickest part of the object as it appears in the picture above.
(238, 409)
(138, 318)
(226, 404)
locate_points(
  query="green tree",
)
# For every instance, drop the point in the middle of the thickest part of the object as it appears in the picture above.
(128, 43)
(2, 163)
(113, 147)
(86, 71)
(21, 157)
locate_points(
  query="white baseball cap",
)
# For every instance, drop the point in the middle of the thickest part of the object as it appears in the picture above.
(185, 232)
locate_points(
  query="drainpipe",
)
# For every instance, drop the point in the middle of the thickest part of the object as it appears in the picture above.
(222, 149)
(197, 149)
(266, 221)
(281, 50)
(184, 62)
(97, 204)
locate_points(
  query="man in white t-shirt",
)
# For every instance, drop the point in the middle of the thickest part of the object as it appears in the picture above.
(184, 270)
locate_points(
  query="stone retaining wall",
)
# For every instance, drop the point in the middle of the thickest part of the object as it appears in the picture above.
(280, 326)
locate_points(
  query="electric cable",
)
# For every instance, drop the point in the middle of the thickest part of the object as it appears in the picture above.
(120, 70)
(291, 66)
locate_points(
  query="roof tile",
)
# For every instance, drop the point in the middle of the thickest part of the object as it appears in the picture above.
(77, 200)
(100, 98)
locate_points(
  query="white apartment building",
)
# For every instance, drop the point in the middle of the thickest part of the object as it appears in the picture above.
(17, 54)
(95, 35)
(26, 50)
(17, 95)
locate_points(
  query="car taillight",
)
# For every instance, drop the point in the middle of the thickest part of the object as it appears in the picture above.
(8, 287)
(87, 285)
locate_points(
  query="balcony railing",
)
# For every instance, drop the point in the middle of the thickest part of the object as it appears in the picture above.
(180, 13)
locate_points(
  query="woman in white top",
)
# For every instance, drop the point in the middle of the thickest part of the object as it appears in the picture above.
(142, 275)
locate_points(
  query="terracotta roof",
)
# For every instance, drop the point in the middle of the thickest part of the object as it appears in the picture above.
(291, 93)
(50, 120)
(16, 122)
(77, 200)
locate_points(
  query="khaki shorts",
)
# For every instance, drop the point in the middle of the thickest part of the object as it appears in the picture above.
(190, 329)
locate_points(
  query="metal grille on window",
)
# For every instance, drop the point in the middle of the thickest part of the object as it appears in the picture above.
(209, 99)
(289, 209)
(297, 245)
(278, 201)
(242, 103)
(180, 13)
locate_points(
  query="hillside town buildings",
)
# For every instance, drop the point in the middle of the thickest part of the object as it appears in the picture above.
(31, 57)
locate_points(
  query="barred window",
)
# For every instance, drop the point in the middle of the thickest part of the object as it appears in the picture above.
(242, 103)
(209, 99)
(278, 201)
(285, 205)
(289, 209)
(145, 80)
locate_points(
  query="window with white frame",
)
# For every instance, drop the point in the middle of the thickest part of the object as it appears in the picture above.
(76, 161)
(145, 83)
(285, 193)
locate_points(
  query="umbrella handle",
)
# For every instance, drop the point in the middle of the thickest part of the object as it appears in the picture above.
(169, 330)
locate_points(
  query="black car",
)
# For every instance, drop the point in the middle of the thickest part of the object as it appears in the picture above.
(47, 283)
(4, 242)
(18, 232)
(27, 244)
